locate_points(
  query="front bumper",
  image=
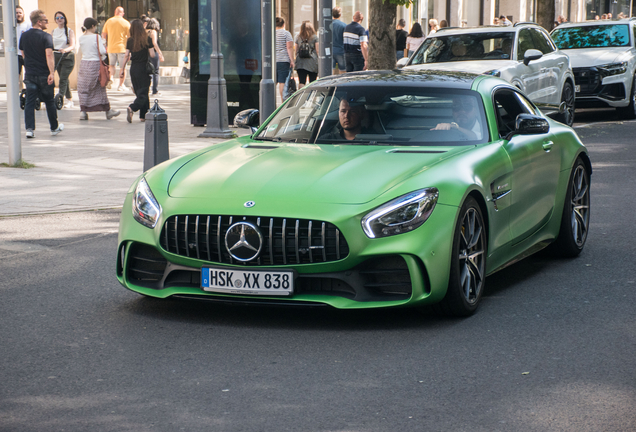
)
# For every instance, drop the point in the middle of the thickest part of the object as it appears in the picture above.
(402, 270)
(598, 90)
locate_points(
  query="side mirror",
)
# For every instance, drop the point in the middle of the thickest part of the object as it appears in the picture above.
(402, 62)
(248, 119)
(529, 124)
(531, 54)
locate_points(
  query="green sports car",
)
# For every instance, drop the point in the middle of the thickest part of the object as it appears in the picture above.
(371, 189)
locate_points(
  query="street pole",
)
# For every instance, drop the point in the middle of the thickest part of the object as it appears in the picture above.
(267, 89)
(217, 122)
(324, 30)
(13, 82)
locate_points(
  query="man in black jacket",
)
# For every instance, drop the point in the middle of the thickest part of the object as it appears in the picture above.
(37, 50)
(400, 39)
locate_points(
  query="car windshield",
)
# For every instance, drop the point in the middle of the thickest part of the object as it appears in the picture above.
(465, 47)
(600, 36)
(377, 115)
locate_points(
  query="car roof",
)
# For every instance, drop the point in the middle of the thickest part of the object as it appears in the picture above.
(398, 78)
(445, 31)
(595, 23)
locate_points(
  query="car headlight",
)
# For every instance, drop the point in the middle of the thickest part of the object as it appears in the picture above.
(493, 72)
(614, 68)
(145, 208)
(400, 215)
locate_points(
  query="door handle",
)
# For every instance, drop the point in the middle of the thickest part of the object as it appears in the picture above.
(560, 64)
(547, 146)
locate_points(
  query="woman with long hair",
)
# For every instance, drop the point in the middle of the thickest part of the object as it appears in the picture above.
(64, 55)
(152, 28)
(139, 50)
(306, 63)
(415, 38)
(92, 96)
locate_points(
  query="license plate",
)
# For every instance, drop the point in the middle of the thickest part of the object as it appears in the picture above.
(254, 282)
(577, 88)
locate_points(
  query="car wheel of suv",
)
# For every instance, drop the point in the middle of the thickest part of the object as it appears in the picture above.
(567, 96)
(468, 263)
(629, 112)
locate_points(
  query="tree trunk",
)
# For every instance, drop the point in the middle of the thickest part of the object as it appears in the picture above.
(382, 34)
(545, 14)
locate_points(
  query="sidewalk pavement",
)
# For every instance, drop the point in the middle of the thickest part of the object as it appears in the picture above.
(91, 164)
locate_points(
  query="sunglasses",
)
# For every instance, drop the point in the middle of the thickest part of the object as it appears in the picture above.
(44, 21)
(59, 18)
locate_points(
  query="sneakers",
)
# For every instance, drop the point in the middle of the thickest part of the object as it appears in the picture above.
(112, 113)
(30, 133)
(83, 115)
(129, 115)
(60, 128)
(69, 104)
(122, 88)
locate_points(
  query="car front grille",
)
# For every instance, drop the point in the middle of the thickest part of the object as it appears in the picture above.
(285, 241)
(589, 79)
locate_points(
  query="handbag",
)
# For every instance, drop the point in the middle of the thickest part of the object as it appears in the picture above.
(150, 67)
(290, 85)
(104, 74)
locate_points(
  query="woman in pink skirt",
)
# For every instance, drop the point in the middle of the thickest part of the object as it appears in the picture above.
(92, 95)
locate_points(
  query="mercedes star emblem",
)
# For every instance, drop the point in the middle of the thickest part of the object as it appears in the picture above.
(243, 241)
(249, 204)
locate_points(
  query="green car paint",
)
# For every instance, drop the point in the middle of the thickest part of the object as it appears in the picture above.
(520, 185)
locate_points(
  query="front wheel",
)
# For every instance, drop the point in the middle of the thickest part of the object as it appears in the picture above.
(567, 97)
(59, 101)
(575, 220)
(468, 263)
(629, 112)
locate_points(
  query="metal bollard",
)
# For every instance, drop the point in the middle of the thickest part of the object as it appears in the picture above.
(156, 144)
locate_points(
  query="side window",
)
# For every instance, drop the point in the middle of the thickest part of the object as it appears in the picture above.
(509, 104)
(541, 42)
(525, 43)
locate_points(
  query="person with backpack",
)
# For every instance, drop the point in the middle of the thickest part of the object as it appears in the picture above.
(306, 54)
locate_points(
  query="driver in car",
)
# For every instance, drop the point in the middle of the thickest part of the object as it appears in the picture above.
(466, 116)
(352, 119)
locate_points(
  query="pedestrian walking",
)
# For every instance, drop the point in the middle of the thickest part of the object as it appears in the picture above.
(64, 55)
(284, 55)
(139, 50)
(92, 96)
(433, 26)
(355, 44)
(400, 39)
(152, 29)
(39, 73)
(22, 25)
(306, 54)
(115, 32)
(414, 39)
(337, 41)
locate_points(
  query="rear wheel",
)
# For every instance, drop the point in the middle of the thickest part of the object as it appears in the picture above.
(575, 220)
(59, 101)
(567, 96)
(629, 112)
(468, 263)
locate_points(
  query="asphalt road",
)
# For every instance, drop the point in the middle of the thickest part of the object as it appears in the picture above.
(552, 348)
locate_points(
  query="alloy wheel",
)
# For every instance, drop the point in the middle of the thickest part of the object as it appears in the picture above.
(580, 204)
(471, 256)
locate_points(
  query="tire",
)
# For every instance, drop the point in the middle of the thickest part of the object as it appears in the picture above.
(629, 112)
(468, 263)
(22, 99)
(575, 219)
(59, 101)
(567, 96)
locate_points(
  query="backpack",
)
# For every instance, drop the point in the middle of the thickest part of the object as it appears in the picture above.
(304, 50)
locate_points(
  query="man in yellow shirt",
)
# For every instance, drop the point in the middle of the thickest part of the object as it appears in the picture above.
(116, 32)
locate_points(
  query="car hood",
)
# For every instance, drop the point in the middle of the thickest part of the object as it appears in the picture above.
(474, 66)
(595, 56)
(339, 174)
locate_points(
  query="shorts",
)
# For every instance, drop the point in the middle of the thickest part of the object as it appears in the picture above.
(115, 59)
(338, 59)
(282, 71)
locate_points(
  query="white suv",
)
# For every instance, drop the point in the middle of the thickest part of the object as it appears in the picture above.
(603, 60)
(523, 55)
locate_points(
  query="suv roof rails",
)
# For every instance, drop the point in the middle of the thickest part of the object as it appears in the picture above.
(524, 23)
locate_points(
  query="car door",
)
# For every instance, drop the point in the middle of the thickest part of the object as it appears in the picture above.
(535, 167)
(553, 65)
(530, 74)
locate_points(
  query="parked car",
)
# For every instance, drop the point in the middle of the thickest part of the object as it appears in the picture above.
(364, 190)
(603, 57)
(522, 54)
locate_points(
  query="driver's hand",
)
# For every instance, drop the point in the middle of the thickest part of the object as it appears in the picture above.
(442, 126)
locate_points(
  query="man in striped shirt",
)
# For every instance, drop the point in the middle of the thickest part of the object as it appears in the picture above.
(355, 44)
(284, 54)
